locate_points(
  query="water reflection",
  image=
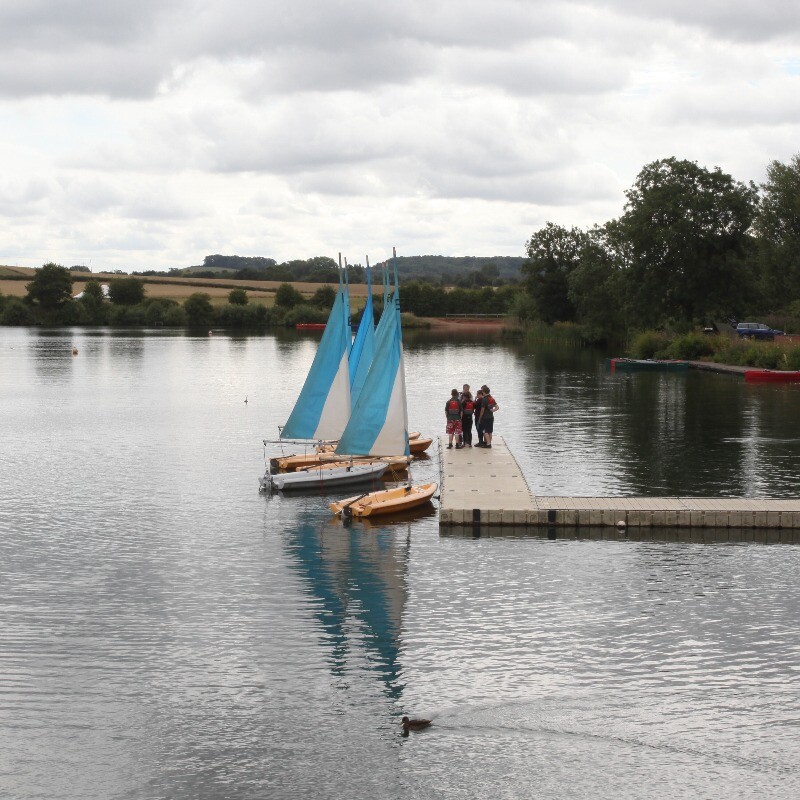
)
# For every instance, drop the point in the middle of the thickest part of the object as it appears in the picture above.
(357, 578)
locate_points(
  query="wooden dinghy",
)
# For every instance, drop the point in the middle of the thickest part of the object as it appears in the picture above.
(387, 501)
(293, 463)
(340, 473)
(419, 445)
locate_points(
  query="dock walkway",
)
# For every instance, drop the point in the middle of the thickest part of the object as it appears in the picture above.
(487, 487)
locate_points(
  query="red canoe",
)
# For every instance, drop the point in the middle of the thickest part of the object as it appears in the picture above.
(771, 376)
(310, 326)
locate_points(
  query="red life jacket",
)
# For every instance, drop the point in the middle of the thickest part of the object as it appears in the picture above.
(452, 406)
(469, 407)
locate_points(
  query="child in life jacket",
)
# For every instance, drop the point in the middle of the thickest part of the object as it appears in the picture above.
(452, 412)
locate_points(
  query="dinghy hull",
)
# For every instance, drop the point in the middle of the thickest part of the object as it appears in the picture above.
(388, 501)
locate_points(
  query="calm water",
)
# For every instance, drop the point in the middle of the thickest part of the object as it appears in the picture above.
(167, 632)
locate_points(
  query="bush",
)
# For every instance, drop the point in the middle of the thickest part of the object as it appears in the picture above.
(237, 297)
(769, 357)
(124, 316)
(126, 291)
(304, 313)
(793, 358)
(692, 346)
(649, 344)
(523, 307)
(287, 296)
(156, 312)
(199, 311)
(236, 316)
(175, 317)
(72, 313)
(15, 312)
(324, 297)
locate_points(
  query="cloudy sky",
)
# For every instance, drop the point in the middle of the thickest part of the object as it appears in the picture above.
(150, 134)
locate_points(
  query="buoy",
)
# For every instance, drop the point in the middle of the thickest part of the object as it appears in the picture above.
(621, 524)
(74, 351)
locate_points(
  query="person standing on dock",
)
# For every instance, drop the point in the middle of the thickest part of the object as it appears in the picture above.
(452, 412)
(486, 419)
(477, 410)
(467, 410)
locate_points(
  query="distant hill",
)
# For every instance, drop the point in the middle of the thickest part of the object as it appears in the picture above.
(454, 267)
(449, 269)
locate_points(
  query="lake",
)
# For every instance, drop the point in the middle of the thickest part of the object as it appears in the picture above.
(168, 632)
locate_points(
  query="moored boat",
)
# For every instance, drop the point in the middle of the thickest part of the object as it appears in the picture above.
(310, 326)
(771, 376)
(327, 475)
(646, 365)
(419, 445)
(386, 501)
(293, 463)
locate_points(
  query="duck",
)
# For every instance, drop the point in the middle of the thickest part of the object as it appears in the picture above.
(415, 724)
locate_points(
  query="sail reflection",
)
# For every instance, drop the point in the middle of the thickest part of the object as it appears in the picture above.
(358, 578)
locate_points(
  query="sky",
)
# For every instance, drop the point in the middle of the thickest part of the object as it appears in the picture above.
(149, 135)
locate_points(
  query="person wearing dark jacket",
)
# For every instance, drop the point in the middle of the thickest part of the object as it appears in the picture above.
(477, 409)
(486, 418)
(467, 410)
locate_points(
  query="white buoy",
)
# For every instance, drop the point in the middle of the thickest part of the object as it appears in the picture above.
(621, 524)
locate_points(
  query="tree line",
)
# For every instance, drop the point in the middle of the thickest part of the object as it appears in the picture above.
(692, 245)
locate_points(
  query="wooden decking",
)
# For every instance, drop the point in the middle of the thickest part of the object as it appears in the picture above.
(487, 487)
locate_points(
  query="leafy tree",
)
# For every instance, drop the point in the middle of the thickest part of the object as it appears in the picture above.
(684, 236)
(324, 297)
(287, 296)
(553, 253)
(237, 297)
(323, 276)
(93, 289)
(597, 288)
(51, 287)
(777, 228)
(15, 312)
(157, 311)
(92, 301)
(198, 309)
(126, 291)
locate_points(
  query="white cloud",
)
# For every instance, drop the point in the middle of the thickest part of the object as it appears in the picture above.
(155, 133)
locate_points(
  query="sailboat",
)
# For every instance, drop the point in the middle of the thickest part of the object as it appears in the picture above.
(378, 424)
(323, 408)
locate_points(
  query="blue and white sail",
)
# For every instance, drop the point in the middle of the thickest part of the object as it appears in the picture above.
(323, 408)
(363, 349)
(378, 424)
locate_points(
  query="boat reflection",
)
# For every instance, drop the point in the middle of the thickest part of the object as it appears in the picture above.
(358, 579)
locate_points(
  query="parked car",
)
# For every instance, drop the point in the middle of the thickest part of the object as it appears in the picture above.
(756, 330)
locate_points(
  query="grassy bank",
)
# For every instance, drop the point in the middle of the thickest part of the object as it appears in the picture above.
(783, 353)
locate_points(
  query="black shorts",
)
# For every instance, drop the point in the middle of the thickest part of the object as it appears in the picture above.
(487, 425)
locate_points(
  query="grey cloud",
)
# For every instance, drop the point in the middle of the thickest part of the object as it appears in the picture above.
(94, 69)
(128, 50)
(44, 24)
(736, 20)
(551, 67)
(25, 198)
